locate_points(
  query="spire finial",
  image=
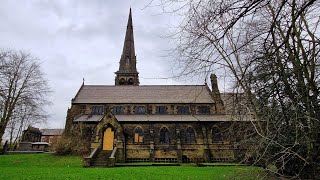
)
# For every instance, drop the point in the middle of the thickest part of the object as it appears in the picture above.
(82, 81)
(129, 19)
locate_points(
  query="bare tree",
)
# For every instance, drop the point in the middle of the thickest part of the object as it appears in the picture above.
(23, 92)
(271, 51)
(23, 117)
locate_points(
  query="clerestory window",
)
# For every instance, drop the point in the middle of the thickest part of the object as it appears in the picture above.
(97, 110)
(139, 109)
(117, 110)
(161, 109)
(203, 109)
(183, 110)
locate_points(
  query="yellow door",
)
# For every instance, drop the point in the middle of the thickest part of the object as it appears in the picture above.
(108, 138)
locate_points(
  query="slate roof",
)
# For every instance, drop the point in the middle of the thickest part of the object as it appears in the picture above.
(234, 103)
(52, 132)
(181, 118)
(88, 118)
(144, 94)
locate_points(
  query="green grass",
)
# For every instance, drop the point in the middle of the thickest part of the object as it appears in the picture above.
(49, 166)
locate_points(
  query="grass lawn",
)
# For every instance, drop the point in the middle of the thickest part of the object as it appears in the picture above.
(49, 166)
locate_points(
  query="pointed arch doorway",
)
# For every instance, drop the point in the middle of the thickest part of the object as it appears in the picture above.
(108, 138)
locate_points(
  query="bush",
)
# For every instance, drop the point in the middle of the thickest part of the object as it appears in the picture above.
(63, 147)
(72, 145)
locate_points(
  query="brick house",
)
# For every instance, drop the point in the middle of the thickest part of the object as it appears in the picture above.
(51, 136)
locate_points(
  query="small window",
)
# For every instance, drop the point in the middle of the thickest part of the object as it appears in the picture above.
(161, 109)
(122, 81)
(138, 135)
(203, 109)
(164, 135)
(139, 109)
(117, 110)
(216, 135)
(97, 110)
(130, 81)
(183, 109)
(190, 136)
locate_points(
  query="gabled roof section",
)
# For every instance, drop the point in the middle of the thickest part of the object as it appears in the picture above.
(78, 91)
(143, 94)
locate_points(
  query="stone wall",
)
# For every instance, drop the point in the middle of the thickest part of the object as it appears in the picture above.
(177, 150)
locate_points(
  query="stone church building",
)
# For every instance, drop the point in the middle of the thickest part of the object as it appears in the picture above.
(129, 122)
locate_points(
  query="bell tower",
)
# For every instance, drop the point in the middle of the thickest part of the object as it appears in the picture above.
(127, 73)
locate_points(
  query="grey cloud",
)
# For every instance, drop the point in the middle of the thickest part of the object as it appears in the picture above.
(78, 39)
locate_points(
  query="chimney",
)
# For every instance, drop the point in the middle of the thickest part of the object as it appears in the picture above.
(216, 95)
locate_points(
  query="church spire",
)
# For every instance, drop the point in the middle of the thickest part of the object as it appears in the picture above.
(127, 73)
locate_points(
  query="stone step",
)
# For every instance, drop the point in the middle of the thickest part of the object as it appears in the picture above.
(99, 164)
(101, 159)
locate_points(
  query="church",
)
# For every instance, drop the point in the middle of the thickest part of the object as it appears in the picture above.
(129, 122)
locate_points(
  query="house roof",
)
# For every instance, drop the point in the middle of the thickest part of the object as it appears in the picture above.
(40, 143)
(52, 132)
(177, 118)
(144, 94)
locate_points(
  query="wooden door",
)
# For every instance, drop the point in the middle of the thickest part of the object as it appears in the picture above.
(108, 138)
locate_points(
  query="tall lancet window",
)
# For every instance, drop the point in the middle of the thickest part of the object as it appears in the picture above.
(190, 136)
(216, 134)
(164, 135)
(138, 135)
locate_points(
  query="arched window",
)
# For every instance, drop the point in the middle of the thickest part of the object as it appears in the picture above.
(130, 81)
(190, 136)
(164, 135)
(216, 134)
(122, 81)
(138, 135)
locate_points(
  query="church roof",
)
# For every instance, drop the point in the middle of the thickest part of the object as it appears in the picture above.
(180, 118)
(88, 118)
(171, 118)
(143, 94)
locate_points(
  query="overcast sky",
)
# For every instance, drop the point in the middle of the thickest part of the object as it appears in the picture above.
(77, 39)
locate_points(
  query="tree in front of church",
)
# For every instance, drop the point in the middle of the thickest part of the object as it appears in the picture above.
(23, 92)
(271, 50)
